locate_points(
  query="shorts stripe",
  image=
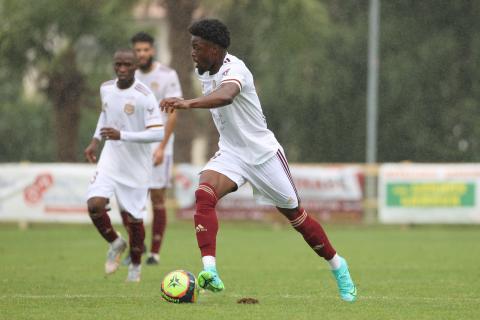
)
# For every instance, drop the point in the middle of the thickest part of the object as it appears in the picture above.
(284, 163)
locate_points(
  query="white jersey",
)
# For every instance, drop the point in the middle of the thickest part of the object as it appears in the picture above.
(241, 125)
(132, 109)
(164, 83)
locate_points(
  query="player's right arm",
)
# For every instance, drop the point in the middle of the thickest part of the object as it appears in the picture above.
(222, 96)
(91, 150)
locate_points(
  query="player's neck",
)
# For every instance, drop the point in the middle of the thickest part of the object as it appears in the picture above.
(125, 84)
(218, 64)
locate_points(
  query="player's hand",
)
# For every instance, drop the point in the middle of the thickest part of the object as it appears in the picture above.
(158, 156)
(110, 134)
(91, 151)
(170, 104)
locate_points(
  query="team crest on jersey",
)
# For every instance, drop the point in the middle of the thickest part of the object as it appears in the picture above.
(154, 86)
(129, 108)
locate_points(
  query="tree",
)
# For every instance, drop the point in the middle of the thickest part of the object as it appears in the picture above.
(67, 45)
(180, 13)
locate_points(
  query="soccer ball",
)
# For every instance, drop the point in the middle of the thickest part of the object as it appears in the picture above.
(179, 286)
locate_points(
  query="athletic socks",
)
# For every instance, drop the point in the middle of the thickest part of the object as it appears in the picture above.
(137, 236)
(158, 228)
(101, 220)
(205, 218)
(208, 262)
(313, 234)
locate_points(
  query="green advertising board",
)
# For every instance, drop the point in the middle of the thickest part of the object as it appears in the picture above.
(435, 195)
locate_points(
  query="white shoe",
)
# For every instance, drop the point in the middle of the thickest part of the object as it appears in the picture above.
(113, 254)
(134, 272)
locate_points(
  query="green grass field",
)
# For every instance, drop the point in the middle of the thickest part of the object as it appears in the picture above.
(56, 272)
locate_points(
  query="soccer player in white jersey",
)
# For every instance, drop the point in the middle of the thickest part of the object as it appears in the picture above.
(130, 120)
(248, 151)
(164, 83)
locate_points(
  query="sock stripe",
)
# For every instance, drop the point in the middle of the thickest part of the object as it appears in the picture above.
(208, 189)
(299, 220)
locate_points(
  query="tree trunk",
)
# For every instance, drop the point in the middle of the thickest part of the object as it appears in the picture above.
(180, 13)
(66, 84)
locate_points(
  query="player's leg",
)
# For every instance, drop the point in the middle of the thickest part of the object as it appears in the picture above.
(133, 201)
(212, 187)
(160, 182)
(136, 238)
(159, 224)
(99, 191)
(273, 181)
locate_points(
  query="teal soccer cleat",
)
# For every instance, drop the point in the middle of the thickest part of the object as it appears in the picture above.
(346, 287)
(209, 280)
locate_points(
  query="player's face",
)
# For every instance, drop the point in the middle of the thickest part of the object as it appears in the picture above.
(124, 64)
(203, 54)
(145, 53)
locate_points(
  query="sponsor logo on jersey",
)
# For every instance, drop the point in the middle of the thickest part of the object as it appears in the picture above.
(225, 72)
(129, 108)
(105, 106)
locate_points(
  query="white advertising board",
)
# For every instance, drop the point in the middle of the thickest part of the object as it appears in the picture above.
(429, 193)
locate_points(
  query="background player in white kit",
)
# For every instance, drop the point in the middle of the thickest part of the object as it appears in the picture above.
(130, 120)
(248, 151)
(164, 83)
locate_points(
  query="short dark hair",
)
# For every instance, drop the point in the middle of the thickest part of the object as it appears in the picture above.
(142, 37)
(212, 30)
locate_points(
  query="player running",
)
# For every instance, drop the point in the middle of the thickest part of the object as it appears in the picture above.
(130, 120)
(248, 151)
(164, 83)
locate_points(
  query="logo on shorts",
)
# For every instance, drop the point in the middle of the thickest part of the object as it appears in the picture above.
(129, 108)
(200, 228)
(319, 247)
(150, 111)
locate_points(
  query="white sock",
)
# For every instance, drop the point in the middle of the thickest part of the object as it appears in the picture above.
(335, 262)
(208, 262)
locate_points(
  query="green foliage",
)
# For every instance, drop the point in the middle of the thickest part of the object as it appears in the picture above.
(37, 36)
(309, 59)
(309, 73)
(26, 131)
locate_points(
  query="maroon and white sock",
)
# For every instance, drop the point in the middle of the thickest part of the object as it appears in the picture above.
(313, 234)
(125, 220)
(158, 228)
(102, 222)
(137, 236)
(205, 218)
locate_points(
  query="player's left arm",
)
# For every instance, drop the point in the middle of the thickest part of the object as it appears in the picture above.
(154, 130)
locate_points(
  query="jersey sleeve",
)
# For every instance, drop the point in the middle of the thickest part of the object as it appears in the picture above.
(173, 89)
(152, 112)
(234, 73)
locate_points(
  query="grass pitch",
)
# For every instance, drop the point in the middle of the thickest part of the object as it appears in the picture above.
(56, 272)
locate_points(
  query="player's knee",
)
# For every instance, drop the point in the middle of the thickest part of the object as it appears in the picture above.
(96, 207)
(205, 195)
(289, 213)
(158, 198)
